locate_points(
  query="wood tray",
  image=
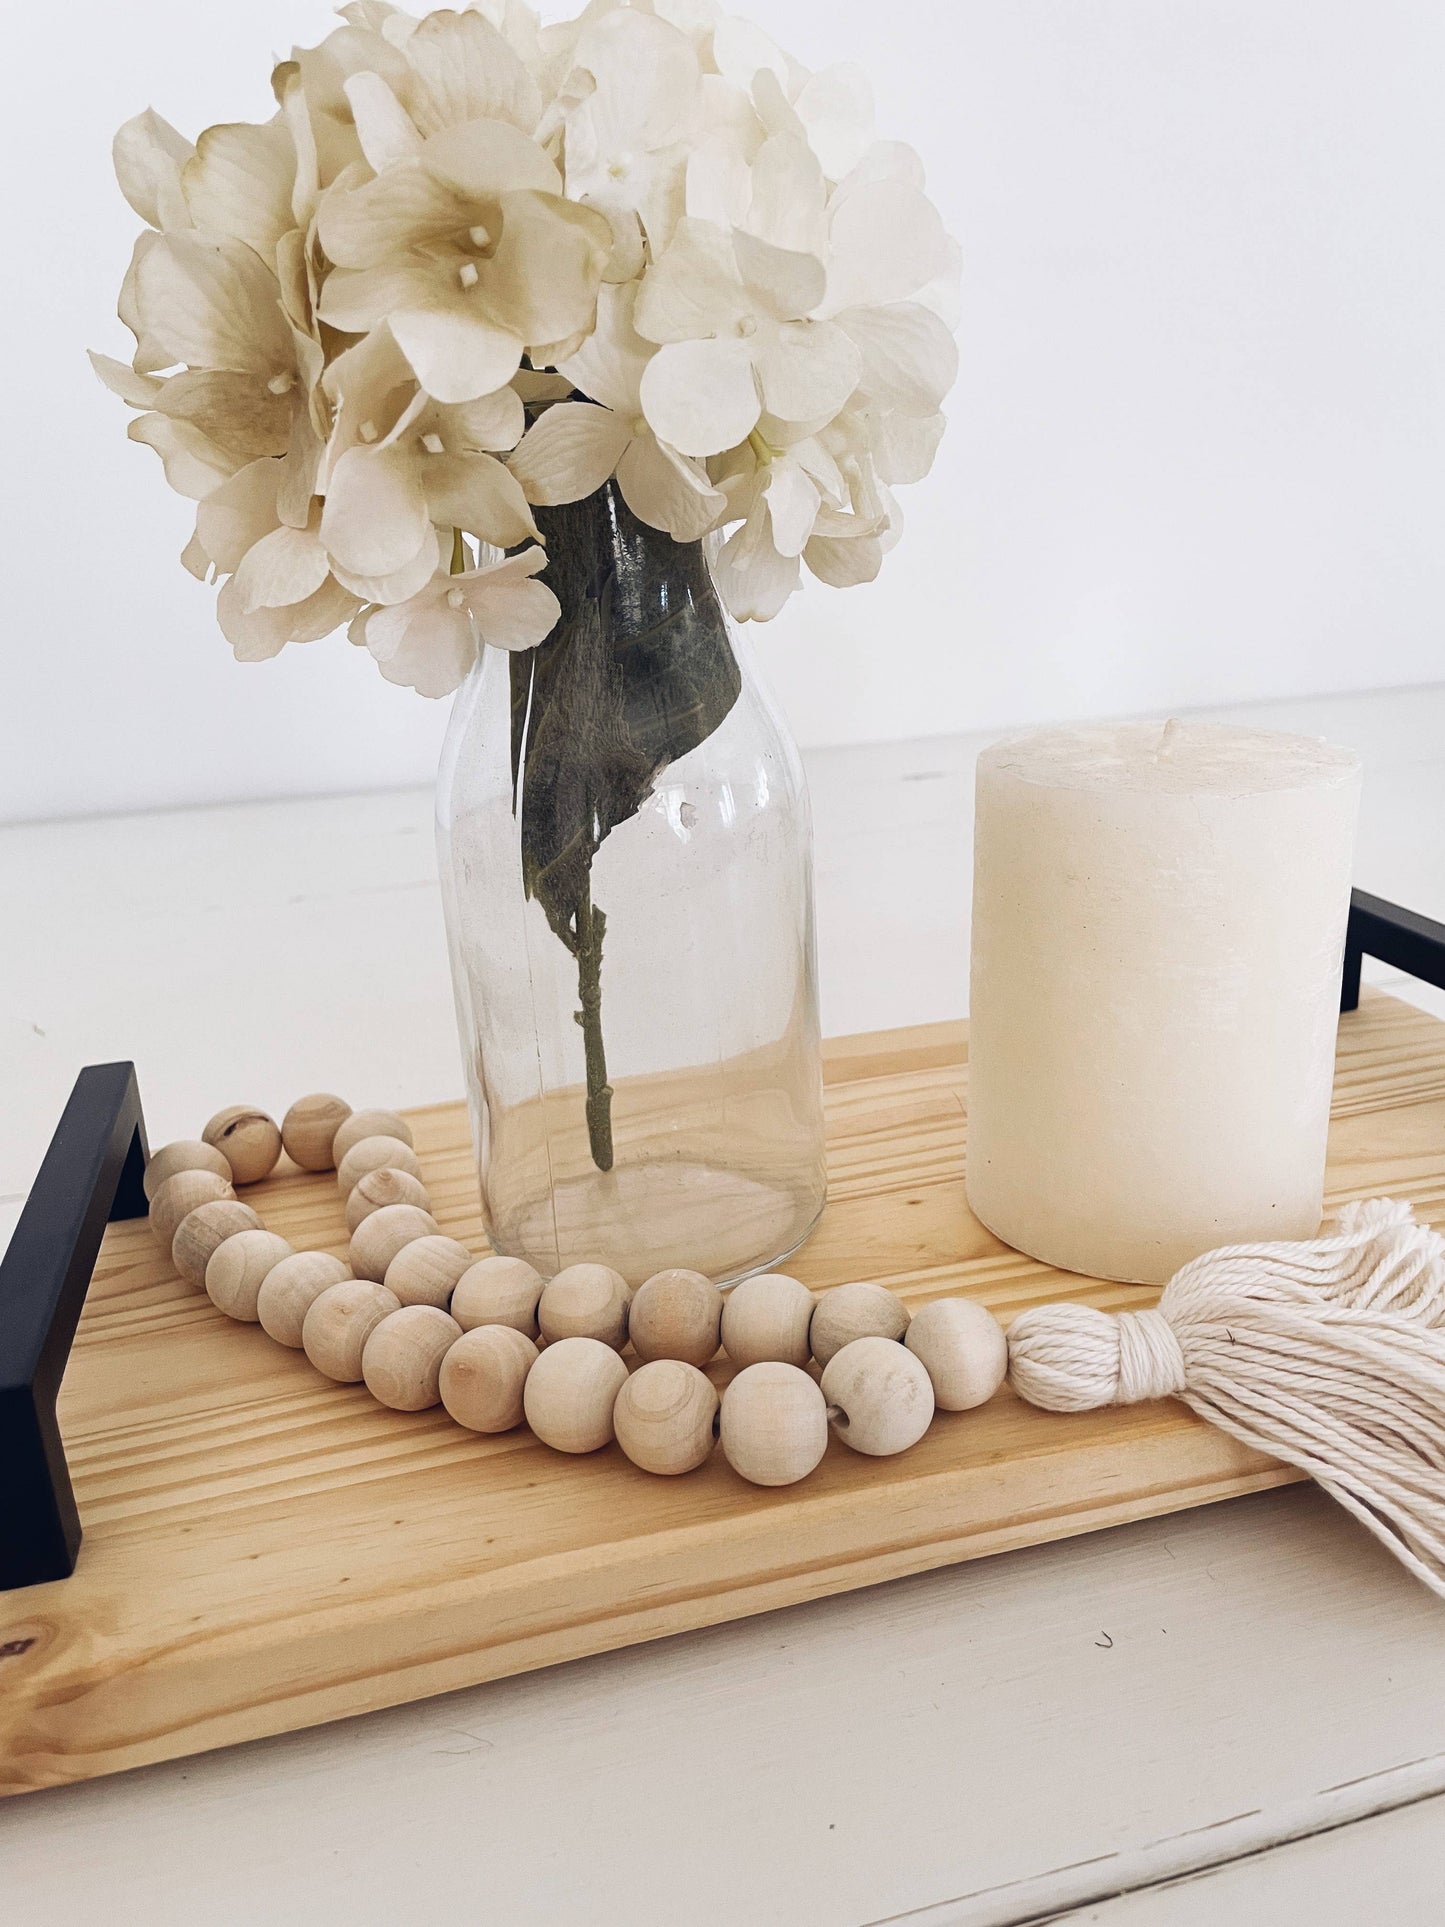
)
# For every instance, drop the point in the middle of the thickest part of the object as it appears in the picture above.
(265, 1550)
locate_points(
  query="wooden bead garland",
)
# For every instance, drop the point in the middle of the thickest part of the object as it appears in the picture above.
(403, 1358)
(676, 1314)
(419, 1320)
(380, 1188)
(247, 1139)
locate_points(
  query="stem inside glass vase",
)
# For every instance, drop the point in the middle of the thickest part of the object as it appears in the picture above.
(638, 671)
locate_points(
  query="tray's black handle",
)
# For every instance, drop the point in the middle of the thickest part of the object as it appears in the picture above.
(1402, 938)
(92, 1173)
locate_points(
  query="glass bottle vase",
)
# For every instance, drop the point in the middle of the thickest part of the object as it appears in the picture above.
(625, 847)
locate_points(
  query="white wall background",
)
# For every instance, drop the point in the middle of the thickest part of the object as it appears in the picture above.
(1197, 450)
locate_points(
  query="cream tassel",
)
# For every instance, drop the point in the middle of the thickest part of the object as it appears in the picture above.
(1329, 1355)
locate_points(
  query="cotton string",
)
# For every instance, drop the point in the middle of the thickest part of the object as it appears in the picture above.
(1329, 1355)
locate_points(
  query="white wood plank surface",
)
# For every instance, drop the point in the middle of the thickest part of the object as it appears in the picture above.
(986, 1745)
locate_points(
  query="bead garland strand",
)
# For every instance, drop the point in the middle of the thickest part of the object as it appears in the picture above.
(420, 1320)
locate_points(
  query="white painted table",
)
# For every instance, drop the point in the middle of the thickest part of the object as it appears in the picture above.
(1251, 1695)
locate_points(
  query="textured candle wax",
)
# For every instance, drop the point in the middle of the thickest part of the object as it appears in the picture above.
(1158, 925)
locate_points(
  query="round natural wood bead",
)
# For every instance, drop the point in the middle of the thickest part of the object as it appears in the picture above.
(499, 1291)
(586, 1301)
(309, 1129)
(186, 1154)
(380, 1188)
(570, 1393)
(483, 1377)
(291, 1289)
(181, 1194)
(676, 1314)
(665, 1416)
(854, 1311)
(364, 1124)
(426, 1271)
(879, 1397)
(773, 1425)
(377, 1239)
(962, 1348)
(247, 1139)
(338, 1323)
(201, 1230)
(403, 1358)
(375, 1154)
(237, 1270)
(767, 1317)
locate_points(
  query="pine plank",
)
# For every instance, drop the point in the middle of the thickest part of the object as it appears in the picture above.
(265, 1550)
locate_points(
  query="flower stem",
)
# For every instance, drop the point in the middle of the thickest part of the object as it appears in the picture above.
(459, 553)
(591, 928)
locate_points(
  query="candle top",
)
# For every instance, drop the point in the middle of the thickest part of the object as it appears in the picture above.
(1176, 756)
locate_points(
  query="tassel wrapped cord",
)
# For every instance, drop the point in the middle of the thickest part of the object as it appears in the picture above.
(1329, 1355)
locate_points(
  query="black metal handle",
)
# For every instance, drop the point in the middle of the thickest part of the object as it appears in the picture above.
(92, 1173)
(1402, 938)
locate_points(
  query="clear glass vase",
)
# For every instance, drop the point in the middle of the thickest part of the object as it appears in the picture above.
(625, 847)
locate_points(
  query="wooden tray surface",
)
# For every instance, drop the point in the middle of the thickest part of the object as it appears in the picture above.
(265, 1550)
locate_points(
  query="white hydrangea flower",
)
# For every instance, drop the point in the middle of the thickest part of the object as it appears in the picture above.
(430, 641)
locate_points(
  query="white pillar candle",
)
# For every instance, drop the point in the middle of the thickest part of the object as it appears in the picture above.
(1158, 926)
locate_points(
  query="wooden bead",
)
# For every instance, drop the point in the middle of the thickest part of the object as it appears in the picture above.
(665, 1416)
(426, 1271)
(364, 1124)
(483, 1377)
(854, 1311)
(767, 1317)
(291, 1289)
(676, 1314)
(879, 1397)
(201, 1230)
(586, 1301)
(181, 1194)
(309, 1128)
(247, 1139)
(773, 1426)
(963, 1350)
(570, 1393)
(375, 1154)
(403, 1358)
(338, 1323)
(499, 1291)
(380, 1188)
(186, 1154)
(377, 1239)
(237, 1270)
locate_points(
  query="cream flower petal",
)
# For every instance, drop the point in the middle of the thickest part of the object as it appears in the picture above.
(608, 367)
(213, 304)
(355, 300)
(542, 279)
(665, 490)
(511, 610)
(238, 414)
(148, 155)
(701, 395)
(385, 129)
(429, 649)
(193, 465)
(151, 353)
(741, 51)
(399, 586)
(836, 110)
(285, 566)
(121, 379)
(495, 421)
(298, 471)
(844, 564)
(793, 503)
(255, 636)
(882, 161)
(484, 159)
(887, 242)
(464, 71)
(904, 445)
(647, 75)
(788, 285)
(719, 184)
(693, 290)
(910, 360)
(376, 513)
(320, 614)
(370, 386)
(457, 357)
(402, 208)
(809, 371)
(235, 516)
(194, 559)
(788, 203)
(238, 183)
(752, 578)
(570, 452)
(479, 494)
